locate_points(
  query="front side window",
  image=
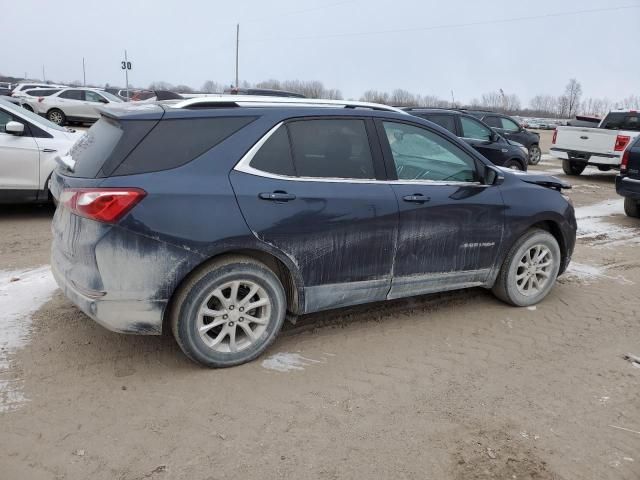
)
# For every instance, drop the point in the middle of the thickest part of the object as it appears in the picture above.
(333, 148)
(72, 95)
(474, 129)
(508, 125)
(93, 97)
(4, 119)
(419, 154)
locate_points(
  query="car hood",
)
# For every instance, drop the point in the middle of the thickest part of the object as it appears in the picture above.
(541, 179)
(515, 144)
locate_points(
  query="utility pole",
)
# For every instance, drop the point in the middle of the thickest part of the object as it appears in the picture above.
(84, 74)
(237, 52)
(453, 100)
(126, 73)
(44, 79)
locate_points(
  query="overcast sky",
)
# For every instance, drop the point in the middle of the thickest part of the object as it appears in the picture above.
(425, 46)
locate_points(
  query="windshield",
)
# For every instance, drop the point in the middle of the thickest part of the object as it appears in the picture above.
(33, 117)
(111, 97)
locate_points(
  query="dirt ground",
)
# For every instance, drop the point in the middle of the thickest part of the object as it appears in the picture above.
(452, 386)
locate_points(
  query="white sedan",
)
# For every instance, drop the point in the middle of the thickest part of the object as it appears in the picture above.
(28, 147)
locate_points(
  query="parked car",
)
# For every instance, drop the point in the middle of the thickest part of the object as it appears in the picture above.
(628, 180)
(480, 136)
(512, 130)
(215, 219)
(34, 96)
(263, 92)
(74, 105)
(602, 147)
(19, 90)
(28, 147)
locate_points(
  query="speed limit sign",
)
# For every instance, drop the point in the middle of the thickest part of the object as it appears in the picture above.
(125, 65)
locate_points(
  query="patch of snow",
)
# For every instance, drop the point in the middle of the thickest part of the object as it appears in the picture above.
(533, 308)
(21, 294)
(593, 224)
(585, 273)
(285, 362)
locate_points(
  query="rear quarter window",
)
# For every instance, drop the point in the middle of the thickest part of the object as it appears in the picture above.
(175, 142)
(622, 121)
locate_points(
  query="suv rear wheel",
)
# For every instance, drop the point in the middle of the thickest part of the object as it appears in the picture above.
(530, 269)
(229, 312)
(632, 207)
(572, 167)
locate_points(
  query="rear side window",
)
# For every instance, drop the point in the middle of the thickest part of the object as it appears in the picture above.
(493, 122)
(72, 95)
(332, 148)
(41, 92)
(275, 155)
(622, 121)
(445, 121)
(474, 129)
(173, 143)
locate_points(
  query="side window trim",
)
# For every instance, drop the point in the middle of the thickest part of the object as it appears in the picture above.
(244, 164)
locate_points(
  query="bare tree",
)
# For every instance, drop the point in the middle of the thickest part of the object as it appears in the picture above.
(375, 96)
(160, 85)
(211, 87)
(402, 98)
(183, 89)
(573, 92)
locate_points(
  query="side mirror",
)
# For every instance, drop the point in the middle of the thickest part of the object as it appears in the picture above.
(493, 176)
(14, 128)
(494, 137)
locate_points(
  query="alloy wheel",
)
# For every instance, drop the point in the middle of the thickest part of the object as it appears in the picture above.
(534, 270)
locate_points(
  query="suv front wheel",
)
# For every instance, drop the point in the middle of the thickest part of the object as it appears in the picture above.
(530, 269)
(228, 312)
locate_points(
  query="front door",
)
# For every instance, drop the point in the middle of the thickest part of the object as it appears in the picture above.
(451, 224)
(482, 139)
(311, 190)
(19, 158)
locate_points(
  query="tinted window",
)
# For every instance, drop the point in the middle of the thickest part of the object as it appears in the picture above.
(41, 92)
(445, 121)
(419, 154)
(508, 125)
(493, 122)
(474, 129)
(331, 149)
(275, 155)
(72, 95)
(94, 147)
(4, 119)
(622, 121)
(173, 143)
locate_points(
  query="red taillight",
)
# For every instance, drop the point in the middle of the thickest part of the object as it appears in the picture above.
(625, 161)
(621, 142)
(102, 204)
(40, 99)
(555, 135)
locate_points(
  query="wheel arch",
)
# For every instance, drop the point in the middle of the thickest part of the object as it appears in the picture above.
(286, 271)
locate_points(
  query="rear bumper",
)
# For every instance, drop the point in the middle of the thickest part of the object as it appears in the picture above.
(586, 157)
(121, 316)
(628, 187)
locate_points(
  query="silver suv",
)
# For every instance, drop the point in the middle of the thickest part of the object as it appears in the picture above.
(74, 105)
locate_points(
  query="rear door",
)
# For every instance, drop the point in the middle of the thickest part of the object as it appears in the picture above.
(312, 189)
(19, 157)
(451, 224)
(71, 102)
(93, 100)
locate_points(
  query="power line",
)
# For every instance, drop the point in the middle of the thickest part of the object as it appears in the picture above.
(454, 25)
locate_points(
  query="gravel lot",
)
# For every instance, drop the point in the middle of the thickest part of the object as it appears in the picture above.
(454, 386)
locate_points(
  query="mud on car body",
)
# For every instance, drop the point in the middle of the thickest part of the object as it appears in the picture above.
(214, 221)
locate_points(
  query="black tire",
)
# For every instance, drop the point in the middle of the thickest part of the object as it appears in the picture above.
(604, 168)
(572, 167)
(535, 154)
(632, 207)
(57, 116)
(506, 287)
(184, 315)
(514, 165)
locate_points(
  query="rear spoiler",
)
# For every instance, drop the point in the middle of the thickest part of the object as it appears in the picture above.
(66, 162)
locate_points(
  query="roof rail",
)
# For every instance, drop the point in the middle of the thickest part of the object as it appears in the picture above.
(227, 101)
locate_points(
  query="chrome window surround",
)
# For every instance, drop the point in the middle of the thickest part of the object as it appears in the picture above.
(244, 165)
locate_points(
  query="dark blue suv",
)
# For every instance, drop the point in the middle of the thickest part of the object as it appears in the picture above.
(216, 220)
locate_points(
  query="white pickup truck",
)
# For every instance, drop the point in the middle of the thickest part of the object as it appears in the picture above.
(602, 146)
